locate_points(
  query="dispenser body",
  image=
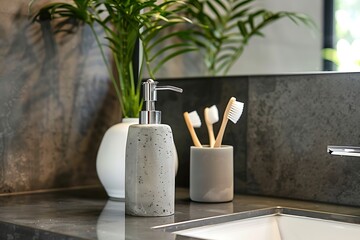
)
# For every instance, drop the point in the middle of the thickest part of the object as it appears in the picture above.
(150, 170)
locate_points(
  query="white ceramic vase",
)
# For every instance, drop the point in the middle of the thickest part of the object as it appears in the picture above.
(110, 161)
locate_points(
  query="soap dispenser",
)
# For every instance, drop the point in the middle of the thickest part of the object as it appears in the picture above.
(150, 160)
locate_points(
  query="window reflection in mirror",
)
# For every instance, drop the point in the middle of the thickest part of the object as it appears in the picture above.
(286, 47)
(347, 35)
(291, 48)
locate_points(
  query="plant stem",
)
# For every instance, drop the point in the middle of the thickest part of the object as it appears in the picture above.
(108, 68)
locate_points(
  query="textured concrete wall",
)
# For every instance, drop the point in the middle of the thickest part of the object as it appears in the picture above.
(291, 120)
(55, 104)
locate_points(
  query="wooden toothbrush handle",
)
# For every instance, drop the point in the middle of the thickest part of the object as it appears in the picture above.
(209, 128)
(191, 130)
(220, 135)
(211, 134)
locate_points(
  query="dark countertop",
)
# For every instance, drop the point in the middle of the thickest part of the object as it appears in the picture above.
(89, 214)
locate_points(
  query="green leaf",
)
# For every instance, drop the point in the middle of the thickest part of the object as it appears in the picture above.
(241, 4)
(242, 28)
(216, 12)
(172, 47)
(241, 14)
(253, 16)
(177, 53)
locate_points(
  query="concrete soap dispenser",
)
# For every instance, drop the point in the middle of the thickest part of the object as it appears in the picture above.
(150, 161)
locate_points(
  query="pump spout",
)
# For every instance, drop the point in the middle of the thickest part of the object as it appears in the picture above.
(172, 88)
(150, 115)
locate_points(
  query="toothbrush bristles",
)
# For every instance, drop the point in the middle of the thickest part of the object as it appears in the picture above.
(195, 119)
(235, 111)
(213, 114)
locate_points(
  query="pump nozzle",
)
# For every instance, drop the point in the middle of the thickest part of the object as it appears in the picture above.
(150, 115)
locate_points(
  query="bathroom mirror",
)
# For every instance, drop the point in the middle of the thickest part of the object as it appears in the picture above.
(291, 48)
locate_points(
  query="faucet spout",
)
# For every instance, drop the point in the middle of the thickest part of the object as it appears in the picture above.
(344, 151)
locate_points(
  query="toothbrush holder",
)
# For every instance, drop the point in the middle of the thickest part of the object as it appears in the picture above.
(211, 174)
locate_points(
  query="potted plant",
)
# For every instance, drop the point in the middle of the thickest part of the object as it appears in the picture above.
(122, 22)
(221, 31)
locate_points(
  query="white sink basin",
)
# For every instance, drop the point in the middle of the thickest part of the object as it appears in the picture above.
(276, 228)
(283, 224)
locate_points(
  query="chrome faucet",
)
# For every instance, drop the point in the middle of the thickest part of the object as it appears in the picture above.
(344, 151)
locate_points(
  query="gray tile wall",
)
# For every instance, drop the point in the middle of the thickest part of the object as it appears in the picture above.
(291, 120)
(55, 104)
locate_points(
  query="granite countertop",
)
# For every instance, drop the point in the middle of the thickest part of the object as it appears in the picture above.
(89, 214)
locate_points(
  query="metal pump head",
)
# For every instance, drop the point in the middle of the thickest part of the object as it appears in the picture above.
(150, 88)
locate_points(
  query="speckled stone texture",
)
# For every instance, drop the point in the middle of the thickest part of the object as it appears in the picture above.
(55, 104)
(291, 121)
(198, 94)
(150, 170)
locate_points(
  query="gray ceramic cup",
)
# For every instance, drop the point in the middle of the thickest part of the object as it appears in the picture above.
(211, 174)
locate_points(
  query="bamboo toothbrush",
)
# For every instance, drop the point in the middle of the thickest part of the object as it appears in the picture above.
(233, 112)
(192, 120)
(211, 115)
